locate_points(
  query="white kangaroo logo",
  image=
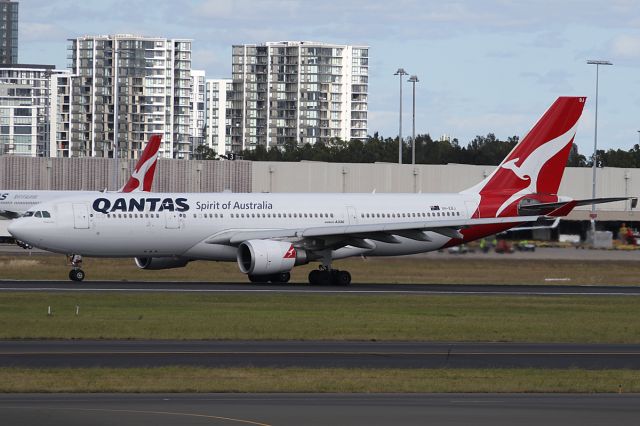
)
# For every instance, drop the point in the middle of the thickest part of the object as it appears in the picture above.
(141, 172)
(531, 166)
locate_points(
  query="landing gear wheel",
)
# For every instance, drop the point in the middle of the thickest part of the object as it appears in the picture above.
(281, 277)
(329, 277)
(314, 277)
(256, 278)
(342, 278)
(76, 275)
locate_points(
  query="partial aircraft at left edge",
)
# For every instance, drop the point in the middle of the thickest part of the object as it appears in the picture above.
(14, 203)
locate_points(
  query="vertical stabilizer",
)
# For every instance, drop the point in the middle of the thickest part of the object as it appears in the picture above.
(536, 164)
(142, 177)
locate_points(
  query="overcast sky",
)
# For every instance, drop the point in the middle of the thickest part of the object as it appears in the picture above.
(484, 66)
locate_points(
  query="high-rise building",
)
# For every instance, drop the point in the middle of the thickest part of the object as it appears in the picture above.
(34, 110)
(297, 92)
(8, 32)
(147, 80)
(216, 126)
(197, 108)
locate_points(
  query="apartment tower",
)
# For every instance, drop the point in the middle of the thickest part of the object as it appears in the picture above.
(146, 81)
(34, 110)
(217, 92)
(8, 32)
(297, 92)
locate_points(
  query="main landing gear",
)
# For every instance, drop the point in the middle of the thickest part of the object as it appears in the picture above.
(325, 276)
(279, 278)
(75, 274)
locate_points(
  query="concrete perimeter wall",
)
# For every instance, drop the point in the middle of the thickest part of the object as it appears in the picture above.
(99, 173)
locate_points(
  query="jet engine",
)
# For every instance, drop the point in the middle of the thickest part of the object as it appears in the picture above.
(265, 257)
(155, 263)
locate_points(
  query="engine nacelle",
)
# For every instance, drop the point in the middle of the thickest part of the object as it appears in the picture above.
(264, 257)
(156, 263)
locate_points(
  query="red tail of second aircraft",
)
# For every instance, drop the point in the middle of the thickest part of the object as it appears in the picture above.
(142, 176)
(535, 166)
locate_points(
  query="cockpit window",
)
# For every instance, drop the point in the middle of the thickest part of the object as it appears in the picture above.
(28, 214)
(38, 214)
(46, 214)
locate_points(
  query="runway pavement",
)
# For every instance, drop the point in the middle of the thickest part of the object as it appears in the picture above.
(315, 354)
(356, 289)
(320, 409)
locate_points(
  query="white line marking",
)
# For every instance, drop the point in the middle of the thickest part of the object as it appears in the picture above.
(437, 292)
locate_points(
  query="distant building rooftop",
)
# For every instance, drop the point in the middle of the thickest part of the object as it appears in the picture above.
(29, 66)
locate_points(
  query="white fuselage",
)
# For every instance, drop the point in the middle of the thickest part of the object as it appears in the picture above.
(185, 225)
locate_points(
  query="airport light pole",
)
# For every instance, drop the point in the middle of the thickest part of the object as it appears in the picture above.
(413, 79)
(400, 73)
(597, 63)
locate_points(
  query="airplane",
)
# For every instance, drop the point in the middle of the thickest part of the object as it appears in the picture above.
(269, 234)
(14, 203)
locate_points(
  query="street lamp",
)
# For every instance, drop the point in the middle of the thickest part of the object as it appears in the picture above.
(597, 63)
(400, 73)
(413, 79)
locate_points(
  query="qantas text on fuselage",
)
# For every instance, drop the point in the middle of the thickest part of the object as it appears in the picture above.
(154, 204)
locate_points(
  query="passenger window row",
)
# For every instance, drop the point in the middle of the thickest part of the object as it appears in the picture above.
(408, 215)
(132, 215)
(282, 215)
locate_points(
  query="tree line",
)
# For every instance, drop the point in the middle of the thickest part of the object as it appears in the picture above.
(482, 150)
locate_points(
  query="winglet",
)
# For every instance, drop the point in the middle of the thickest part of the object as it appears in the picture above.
(142, 177)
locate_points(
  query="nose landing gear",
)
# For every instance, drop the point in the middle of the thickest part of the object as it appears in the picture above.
(75, 274)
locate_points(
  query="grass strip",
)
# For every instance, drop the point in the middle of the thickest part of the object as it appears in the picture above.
(580, 319)
(190, 379)
(458, 270)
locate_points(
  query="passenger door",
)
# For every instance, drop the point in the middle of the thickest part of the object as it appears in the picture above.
(172, 220)
(352, 216)
(80, 216)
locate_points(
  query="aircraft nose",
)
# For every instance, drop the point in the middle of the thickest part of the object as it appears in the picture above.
(21, 230)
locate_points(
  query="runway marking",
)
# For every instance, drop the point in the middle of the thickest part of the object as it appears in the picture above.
(231, 419)
(386, 354)
(436, 292)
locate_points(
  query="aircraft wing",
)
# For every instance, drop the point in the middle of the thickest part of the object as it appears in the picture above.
(356, 234)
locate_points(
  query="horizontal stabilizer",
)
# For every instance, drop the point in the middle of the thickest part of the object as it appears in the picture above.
(563, 208)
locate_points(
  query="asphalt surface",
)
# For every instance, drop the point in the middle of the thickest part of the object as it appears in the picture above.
(320, 409)
(356, 289)
(314, 354)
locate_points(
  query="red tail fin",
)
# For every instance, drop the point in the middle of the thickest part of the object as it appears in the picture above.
(142, 177)
(536, 164)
